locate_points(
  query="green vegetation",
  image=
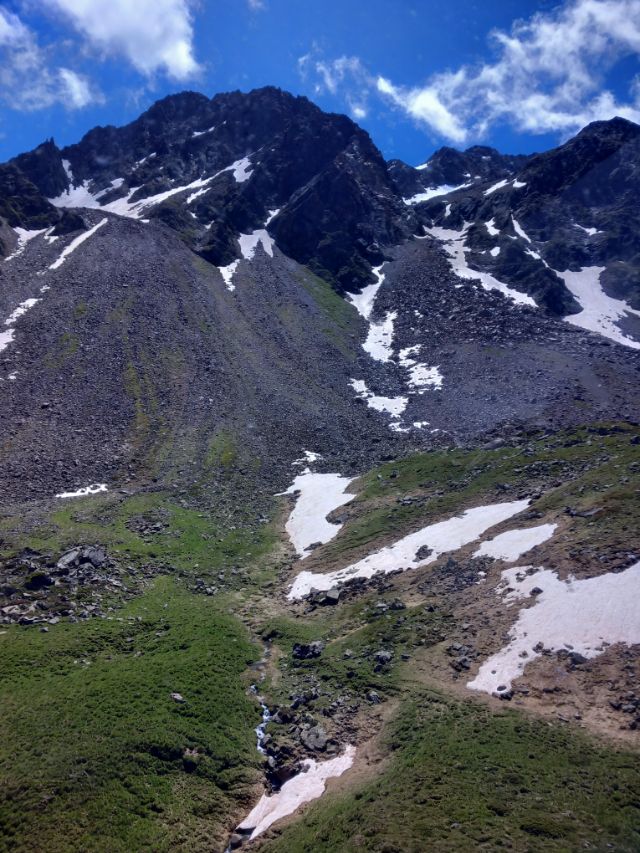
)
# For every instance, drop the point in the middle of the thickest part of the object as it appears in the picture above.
(462, 778)
(222, 450)
(340, 316)
(93, 753)
(584, 468)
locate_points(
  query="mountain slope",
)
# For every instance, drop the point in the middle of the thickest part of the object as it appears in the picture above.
(312, 452)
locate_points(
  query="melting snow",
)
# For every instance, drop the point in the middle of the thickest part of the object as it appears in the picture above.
(303, 788)
(497, 186)
(495, 251)
(379, 342)
(94, 489)
(440, 538)
(519, 230)
(600, 313)
(7, 337)
(249, 243)
(513, 544)
(363, 302)
(421, 377)
(319, 495)
(308, 458)
(227, 274)
(434, 192)
(582, 615)
(82, 197)
(394, 406)
(589, 231)
(24, 236)
(491, 227)
(197, 133)
(73, 245)
(454, 245)
(242, 170)
(380, 335)
(519, 184)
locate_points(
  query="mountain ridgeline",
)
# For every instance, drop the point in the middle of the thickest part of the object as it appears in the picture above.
(278, 420)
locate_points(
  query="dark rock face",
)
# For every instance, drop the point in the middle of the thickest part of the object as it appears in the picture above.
(21, 203)
(577, 205)
(133, 357)
(449, 167)
(338, 204)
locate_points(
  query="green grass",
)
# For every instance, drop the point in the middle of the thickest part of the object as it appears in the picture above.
(222, 451)
(92, 747)
(585, 467)
(193, 540)
(461, 778)
(341, 318)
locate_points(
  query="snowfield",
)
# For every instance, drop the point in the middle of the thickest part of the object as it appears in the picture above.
(513, 544)
(600, 313)
(454, 245)
(439, 538)
(318, 495)
(584, 616)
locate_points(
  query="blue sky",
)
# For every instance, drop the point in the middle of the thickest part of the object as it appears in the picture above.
(416, 74)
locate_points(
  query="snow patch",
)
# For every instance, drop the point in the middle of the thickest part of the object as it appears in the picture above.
(94, 489)
(495, 251)
(440, 538)
(303, 788)
(78, 241)
(197, 133)
(421, 377)
(241, 170)
(7, 337)
(393, 406)
(249, 243)
(491, 228)
(24, 236)
(434, 192)
(585, 616)
(600, 313)
(589, 231)
(227, 274)
(454, 245)
(318, 495)
(520, 230)
(363, 301)
(379, 341)
(497, 186)
(510, 546)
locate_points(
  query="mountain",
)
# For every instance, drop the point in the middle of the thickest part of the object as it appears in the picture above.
(277, 412)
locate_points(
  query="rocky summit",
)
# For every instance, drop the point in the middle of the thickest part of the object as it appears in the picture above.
(317, 472)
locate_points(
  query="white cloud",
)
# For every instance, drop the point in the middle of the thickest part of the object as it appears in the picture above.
(549, 74)
(28, 80)
(346, 74)
(152, 34)
(256, 5)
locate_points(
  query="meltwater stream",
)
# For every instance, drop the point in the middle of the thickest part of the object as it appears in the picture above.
(307, 785)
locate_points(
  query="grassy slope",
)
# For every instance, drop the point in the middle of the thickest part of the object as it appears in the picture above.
(92, 746)
(463, 778)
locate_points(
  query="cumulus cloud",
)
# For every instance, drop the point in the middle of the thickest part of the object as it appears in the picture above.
(28, 78)
(548, 74)
(152, 34)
